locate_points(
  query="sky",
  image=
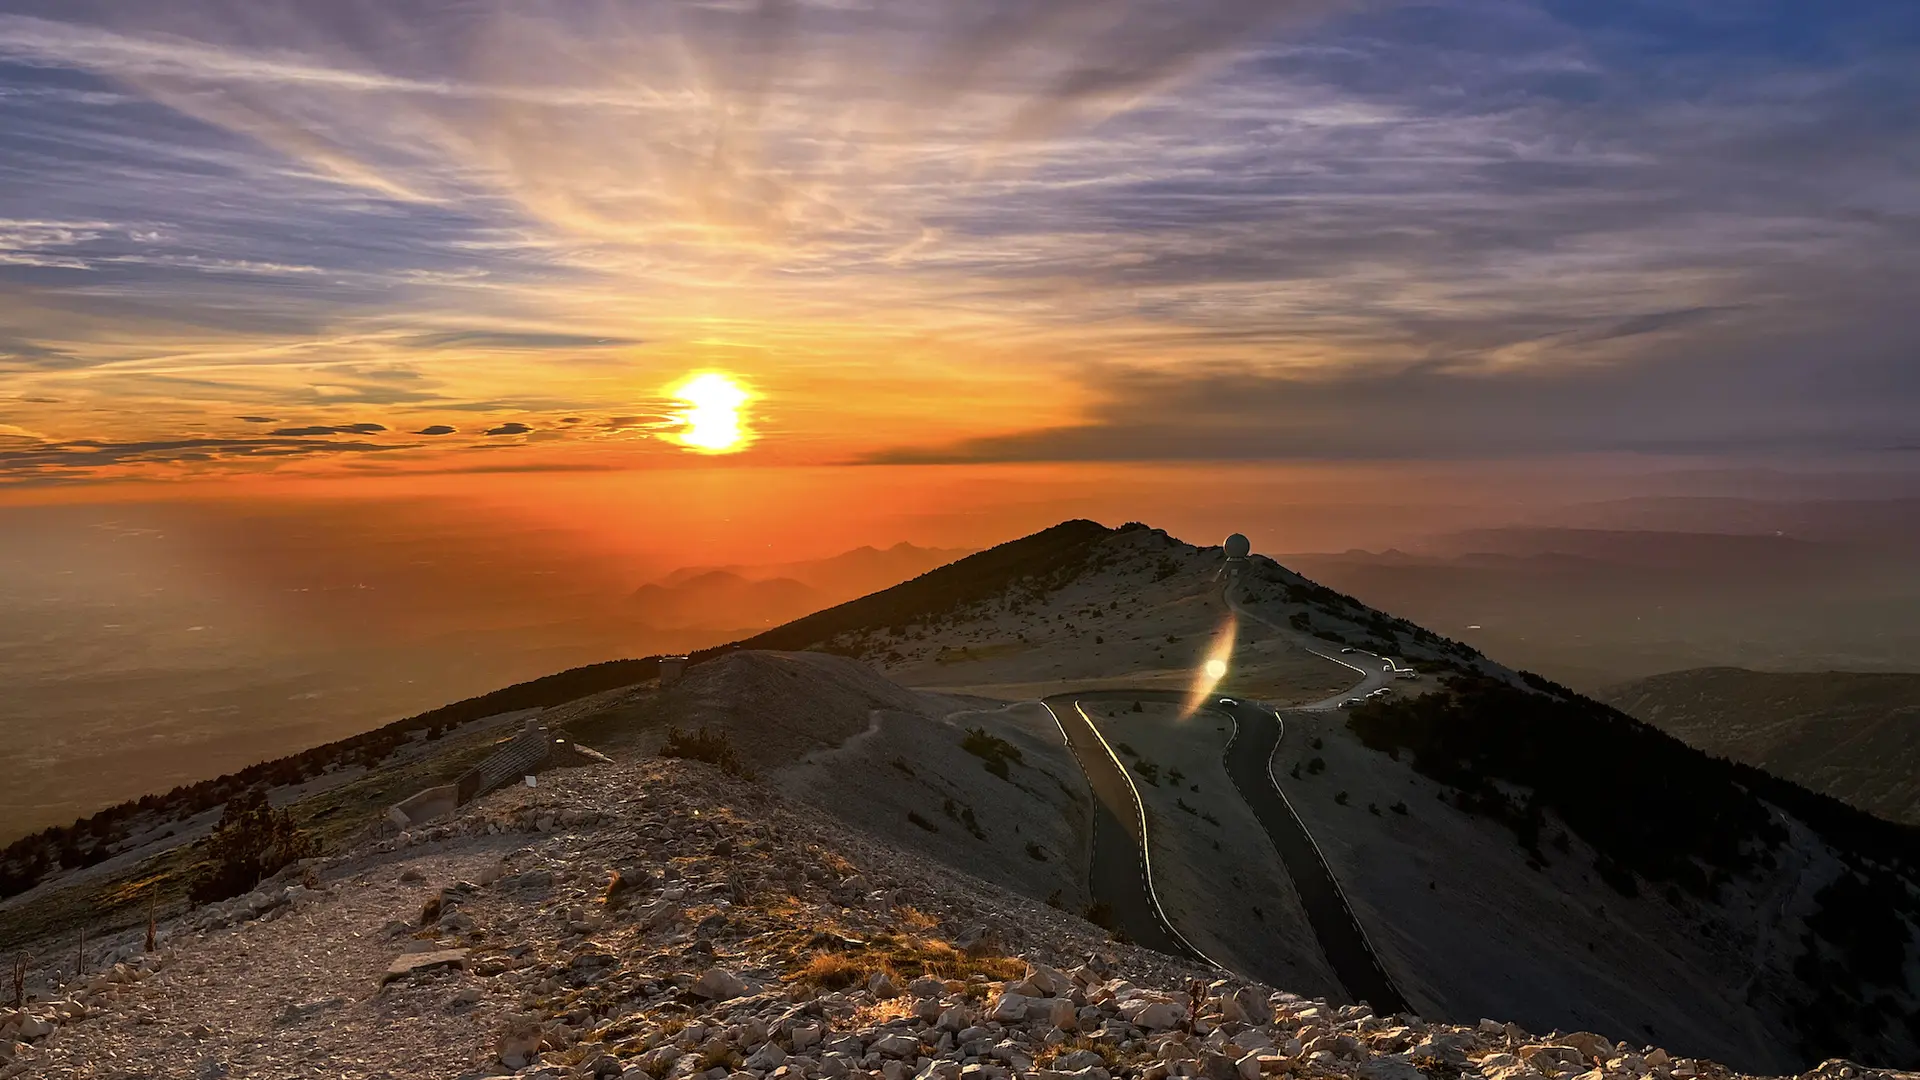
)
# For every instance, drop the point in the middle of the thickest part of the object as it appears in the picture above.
(272, 240)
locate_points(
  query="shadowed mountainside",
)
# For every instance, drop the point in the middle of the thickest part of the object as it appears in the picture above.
(1853, 735)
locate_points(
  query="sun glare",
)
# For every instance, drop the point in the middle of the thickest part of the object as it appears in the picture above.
(1214, 667)
(712, 420)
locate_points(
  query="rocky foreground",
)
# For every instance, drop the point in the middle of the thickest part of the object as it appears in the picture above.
(661, 921)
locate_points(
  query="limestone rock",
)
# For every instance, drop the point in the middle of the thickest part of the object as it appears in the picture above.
(407, 964)
(718, 984)
(519, 1044)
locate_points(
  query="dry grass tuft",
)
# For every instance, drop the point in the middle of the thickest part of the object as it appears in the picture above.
(1049, 1054)
(904, 957)
(913, 917)
(831, 971)
(882, 1012)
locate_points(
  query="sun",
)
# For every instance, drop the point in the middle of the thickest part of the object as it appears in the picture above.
(1216, 669)
(711, 419)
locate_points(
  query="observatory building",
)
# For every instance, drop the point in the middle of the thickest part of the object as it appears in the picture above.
(1238, 547)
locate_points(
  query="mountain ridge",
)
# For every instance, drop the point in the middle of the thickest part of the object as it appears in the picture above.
(1074, 604)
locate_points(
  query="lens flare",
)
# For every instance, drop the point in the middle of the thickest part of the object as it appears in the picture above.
(1215, 666)
(711, 421)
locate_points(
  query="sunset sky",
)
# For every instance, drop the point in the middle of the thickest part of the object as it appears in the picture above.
(368, 237)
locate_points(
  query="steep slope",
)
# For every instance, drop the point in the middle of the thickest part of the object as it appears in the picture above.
(1715, 905)
(1076, 606)
(1738, 914)
(1514, 849)
(745, 935)
(1852, 735)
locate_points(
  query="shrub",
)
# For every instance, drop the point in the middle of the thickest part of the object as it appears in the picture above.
(251, 842)
(712, 747)
(993, 751)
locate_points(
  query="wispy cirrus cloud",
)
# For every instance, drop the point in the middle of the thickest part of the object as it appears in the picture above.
(923, 226)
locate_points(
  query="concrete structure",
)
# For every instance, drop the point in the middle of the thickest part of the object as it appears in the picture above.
(671, 668)
(424, 806)
(527, 753)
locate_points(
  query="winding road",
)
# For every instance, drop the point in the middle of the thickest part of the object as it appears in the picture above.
(1249, 762)
(1121, 875)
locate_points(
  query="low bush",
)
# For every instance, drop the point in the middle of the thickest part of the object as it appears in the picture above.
(712, 747)
(252, 842)
(993, 751)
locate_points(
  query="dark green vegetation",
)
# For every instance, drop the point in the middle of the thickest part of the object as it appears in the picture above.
(1852, 735)
(712, 747)
(1038, 563)
(1660, 813)
(251, 842)
(92, 840)
(994, 751)
(122, 898)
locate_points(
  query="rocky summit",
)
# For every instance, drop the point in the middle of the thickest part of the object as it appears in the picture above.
(662, 920)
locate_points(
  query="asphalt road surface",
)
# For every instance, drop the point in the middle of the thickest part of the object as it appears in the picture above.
(1119, 877)
(1121, 874)
(1256, 737)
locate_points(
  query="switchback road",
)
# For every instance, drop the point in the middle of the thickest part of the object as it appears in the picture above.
(1249, 761)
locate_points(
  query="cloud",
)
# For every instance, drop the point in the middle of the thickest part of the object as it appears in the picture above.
(510, 428)
(485, 339)
(1730, 394)
(334, 429)
(90, 458)
(257, 419)
(1532, 213)
(435, 429)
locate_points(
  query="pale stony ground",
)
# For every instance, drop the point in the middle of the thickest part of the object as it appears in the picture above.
(1028, 832)
(526, 963)
(1467, 928)
(1125, 626)
(1216, 872)
(298, 992)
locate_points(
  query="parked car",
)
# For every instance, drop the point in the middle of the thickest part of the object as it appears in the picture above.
(1228, 702)
(1346, 650)
(1350, 703)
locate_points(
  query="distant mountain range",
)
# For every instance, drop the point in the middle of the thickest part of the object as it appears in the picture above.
(1597, 607)
(1853, 735)
(747, 597)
